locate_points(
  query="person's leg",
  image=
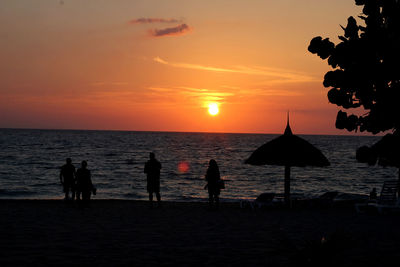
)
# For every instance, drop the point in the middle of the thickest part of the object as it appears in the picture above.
(210, 199)
(151, 199)
(66, 189)
(216, 198)
(86, 195)
(158, 196)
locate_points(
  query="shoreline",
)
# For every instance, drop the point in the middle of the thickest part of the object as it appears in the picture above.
(304, 203)
(340, 197)
(126, 232)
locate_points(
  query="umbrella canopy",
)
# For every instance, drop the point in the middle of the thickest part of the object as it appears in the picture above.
(288, 150)
(385, 152)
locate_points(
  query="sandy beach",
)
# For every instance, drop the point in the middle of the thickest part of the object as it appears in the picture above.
(117, 232)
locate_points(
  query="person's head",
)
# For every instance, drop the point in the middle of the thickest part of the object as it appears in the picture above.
(213, 163)
(68, 160)
(84, 164)
(152, 155)
(374, 189)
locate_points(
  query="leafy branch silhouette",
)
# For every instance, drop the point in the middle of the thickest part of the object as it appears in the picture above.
(366, 68)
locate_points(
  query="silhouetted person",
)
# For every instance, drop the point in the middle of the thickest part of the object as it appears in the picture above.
(84, 182)
(212, 178)
(67, 178)
(152, 169)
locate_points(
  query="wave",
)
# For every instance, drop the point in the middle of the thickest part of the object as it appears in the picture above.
(16, 193)
(46, 184)
(131, 195)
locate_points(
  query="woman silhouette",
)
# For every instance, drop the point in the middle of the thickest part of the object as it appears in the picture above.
(212, 178)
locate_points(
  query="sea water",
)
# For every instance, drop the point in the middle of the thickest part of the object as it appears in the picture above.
(30, 162)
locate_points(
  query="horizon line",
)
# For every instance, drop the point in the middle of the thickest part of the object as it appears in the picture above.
(193, 132)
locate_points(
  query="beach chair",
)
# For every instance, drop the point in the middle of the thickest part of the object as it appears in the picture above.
(263, 200)
(387, 200)
(325, 200)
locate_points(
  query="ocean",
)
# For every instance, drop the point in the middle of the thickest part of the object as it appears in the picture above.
(30, 162)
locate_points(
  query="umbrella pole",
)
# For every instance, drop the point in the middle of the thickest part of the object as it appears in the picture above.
(287, 186)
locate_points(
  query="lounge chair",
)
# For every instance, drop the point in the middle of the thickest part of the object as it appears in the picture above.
(325, 200)
(387, 200)
(263, 200)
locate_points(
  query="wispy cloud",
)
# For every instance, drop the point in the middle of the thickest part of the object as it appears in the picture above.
(192, 89)
(178, 30)
(108, 83)
(270, 92)
(192, 66)
(275, 74)
(224, 94)
(203, 96)
(153, 20)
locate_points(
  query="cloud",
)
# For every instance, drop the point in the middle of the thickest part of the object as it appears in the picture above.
(202, 96)
(275, 74)
(108, 83)
(153, 20)
(178, 30)
(171, 31)
(270, 92)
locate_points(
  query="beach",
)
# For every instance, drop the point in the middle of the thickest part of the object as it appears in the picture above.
(122, 232)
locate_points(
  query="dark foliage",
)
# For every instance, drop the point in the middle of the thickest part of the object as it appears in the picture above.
(330, 251)
(366, 68)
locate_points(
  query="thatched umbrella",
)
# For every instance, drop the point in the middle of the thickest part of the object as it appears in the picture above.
(288, 150)
(385, 152)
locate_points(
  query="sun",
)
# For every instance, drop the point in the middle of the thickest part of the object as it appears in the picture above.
(213, 109)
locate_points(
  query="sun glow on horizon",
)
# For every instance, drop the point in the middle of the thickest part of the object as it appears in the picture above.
(213, 109)
(136, 66)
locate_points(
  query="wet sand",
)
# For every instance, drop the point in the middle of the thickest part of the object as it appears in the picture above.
(118, 232)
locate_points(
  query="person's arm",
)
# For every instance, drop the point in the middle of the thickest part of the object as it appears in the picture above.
(92, 187)
(61, 176)
(145, 168)
(90, 180)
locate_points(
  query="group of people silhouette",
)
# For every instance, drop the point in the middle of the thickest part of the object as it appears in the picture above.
(214, 182)
(80, 181)
(77, 182)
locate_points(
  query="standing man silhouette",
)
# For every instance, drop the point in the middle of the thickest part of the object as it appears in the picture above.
(152, 169)
(84, 183)
(67, 178)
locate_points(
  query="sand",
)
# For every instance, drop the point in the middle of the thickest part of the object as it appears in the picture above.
(117, 232)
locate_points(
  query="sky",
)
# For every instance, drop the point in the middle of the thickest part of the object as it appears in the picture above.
(157, 65)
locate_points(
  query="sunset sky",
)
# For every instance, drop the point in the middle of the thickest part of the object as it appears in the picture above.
(157, 65)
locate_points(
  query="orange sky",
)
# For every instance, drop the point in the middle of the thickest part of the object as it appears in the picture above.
(156, 65)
